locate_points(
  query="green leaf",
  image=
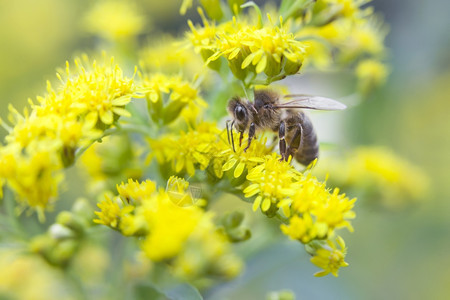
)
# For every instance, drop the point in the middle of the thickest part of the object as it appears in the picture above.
(183, 292)
(144, 291)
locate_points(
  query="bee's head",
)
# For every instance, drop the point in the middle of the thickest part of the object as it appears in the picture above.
(265, 100)
(239, 112)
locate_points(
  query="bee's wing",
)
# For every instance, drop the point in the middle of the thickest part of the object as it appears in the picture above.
(311, 102)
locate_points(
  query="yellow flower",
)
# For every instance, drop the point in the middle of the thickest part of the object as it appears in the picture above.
(34, 174)
(170, 56)
(178, 191)
(241, 160)
(25, 276)
(112, 212)
(194, 148)
(206, 251)
(316, 212)
(350, 9)
(330, 258)
(203, 38)
(167, 96)
(187, 238)
(369, 37)
(182, 236)
(304, 229)
(135, 191)
(345, 29)
(370, 73)
(97, 93)
(44, 141)
(380, 173)
(335, 211)
(248, 49)
(114, 19)
(273, 181)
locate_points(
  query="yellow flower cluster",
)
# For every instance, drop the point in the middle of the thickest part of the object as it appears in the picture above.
(379, 173)
(205, 146)
(169, 96)
(23, 276)
(114, 19)
(370, 73)
(349, 31)
(272, 182)
(44, 140)
(184, 236)
(313, 212)
(194, 149)
(169, 56)
(250, 50)
(330, 258)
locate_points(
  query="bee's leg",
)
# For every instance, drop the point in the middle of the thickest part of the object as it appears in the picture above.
(228, 131)
(281, 135)
(295, 142)
(241, 136)
(232, 138)
(251, 134)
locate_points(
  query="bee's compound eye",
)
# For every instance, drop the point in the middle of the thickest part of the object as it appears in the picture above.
(240, 112)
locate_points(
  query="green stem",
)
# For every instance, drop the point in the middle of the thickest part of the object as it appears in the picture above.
(13, 221)
(124, 128)
(258, 10)
(75, 282)
(293, 8)
(283, 220)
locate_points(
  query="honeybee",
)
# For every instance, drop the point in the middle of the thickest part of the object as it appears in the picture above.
(268, 112)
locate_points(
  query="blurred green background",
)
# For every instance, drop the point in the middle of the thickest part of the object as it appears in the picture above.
(392, 255)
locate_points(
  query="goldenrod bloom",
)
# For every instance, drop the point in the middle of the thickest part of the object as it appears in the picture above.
(114, 19)
(350, 9)
(315, 212)
(388, 178)
(330, 258)
(241, 160)
(304, 229)
(34, 174)
(136, 191)
(170, 56)
(168, 96)
(97, 93)
(44, 140)
(252, 50)
(193, 149)
(183, 236)
(370, 73)
(112, 212)
(24, 276)
(272, 181)
(178, 191)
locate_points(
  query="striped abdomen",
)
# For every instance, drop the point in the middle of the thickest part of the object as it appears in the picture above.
(308, 149)
(309, 146)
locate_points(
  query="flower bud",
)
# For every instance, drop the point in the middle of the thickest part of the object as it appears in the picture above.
(60, 232)
(70, 221)
(235, 5)
(213, 8)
